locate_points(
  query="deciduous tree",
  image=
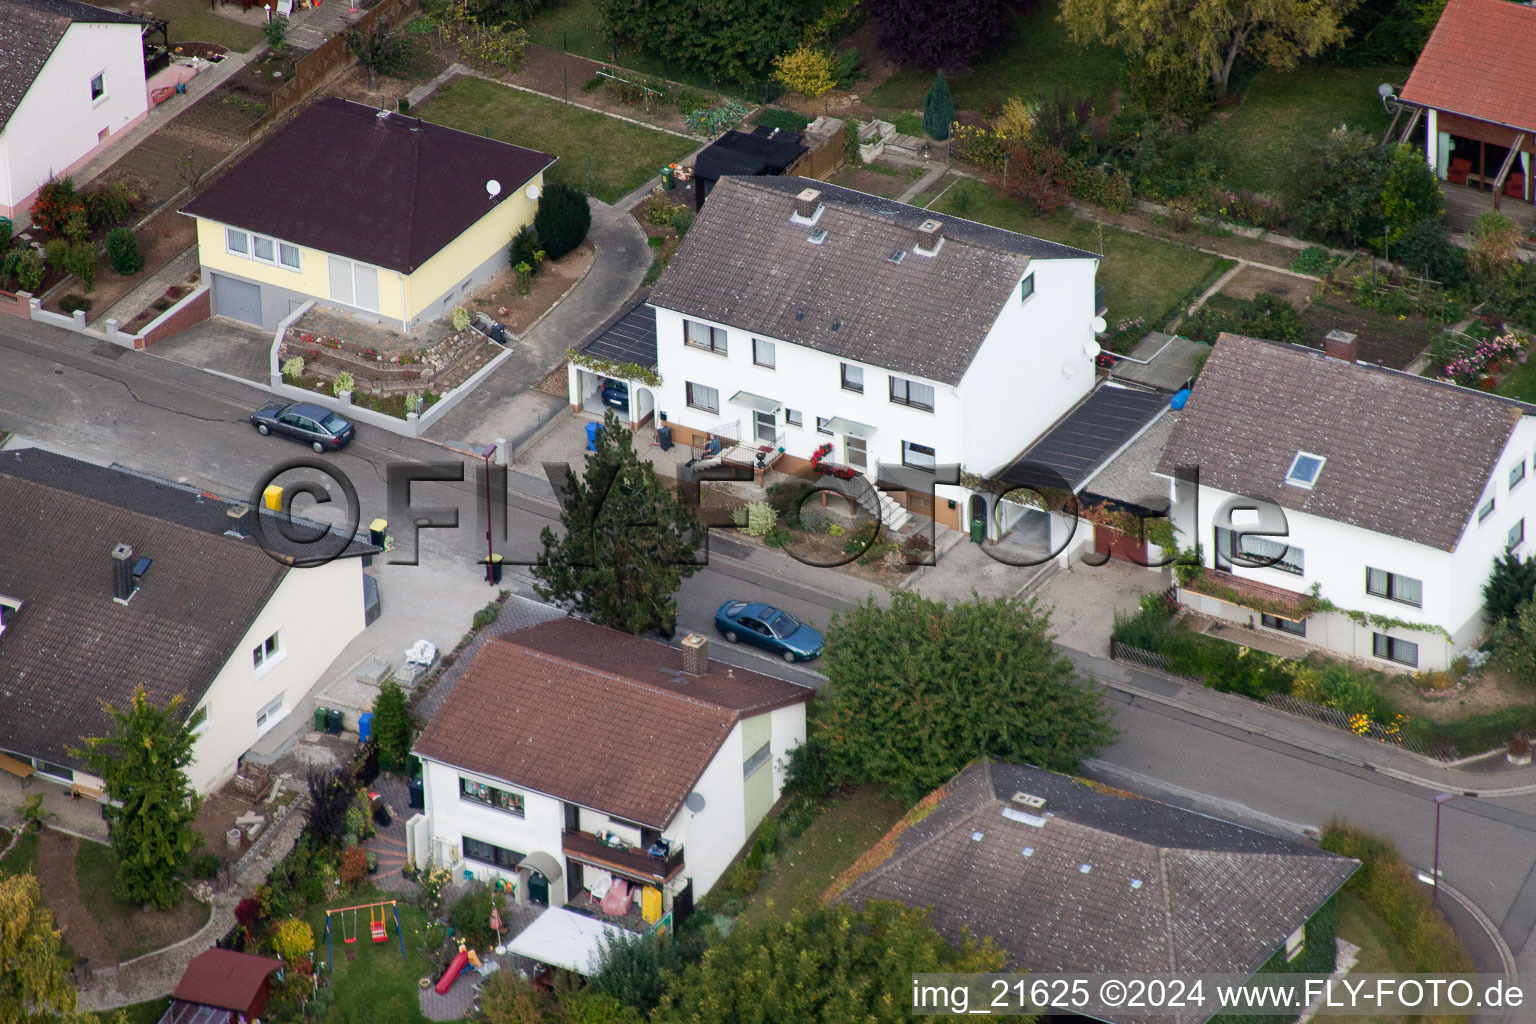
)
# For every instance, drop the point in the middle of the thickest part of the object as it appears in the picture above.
(917, 690)
(143, 762)
(1168, 37)
(378, 50)
(806, 70)
(724, 40)
(932, 35)
(34, 971)
(627, 544)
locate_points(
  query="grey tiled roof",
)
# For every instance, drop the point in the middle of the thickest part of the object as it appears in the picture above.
(1214, 897)
(71, 646)
(746, 264)
(1407, 457)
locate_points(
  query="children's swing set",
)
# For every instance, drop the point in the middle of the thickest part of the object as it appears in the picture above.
(377, 927)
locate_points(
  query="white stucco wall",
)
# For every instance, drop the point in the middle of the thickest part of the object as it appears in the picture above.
(1337, 555)
(788, 725)
(454, 817)
(712, 838)
(308, 643)
(57, 122)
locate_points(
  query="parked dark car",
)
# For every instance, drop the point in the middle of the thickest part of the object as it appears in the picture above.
(616, 394)
(314, 425)
(766, 627)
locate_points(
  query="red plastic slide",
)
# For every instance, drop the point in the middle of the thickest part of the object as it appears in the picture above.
(452, 973)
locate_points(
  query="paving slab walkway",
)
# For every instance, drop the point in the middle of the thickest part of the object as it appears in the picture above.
(931, 175)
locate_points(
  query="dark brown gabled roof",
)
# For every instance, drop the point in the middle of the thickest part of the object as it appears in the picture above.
(226, 979)
(71, 646)
(29, 31)
(1480, 61)
(746, 264)
(388, 190)
(1214, 897)
(583, 713)
(1407, 457)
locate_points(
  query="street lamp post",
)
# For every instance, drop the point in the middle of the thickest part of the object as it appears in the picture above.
(1441, 799)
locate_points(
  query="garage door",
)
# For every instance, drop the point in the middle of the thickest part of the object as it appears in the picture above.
(239, 300)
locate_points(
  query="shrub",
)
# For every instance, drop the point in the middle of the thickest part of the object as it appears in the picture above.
(772, 117)
(276, 31)
(107, 207)
(1163, 156)
(760, 519)
(938, 109)
(524, 245)
(82, 261)
(293, 939)
(343, 382)
(847, 68)
(807, 70)
(204, 866)
(470, 914)
(57, 252)
(293, 368)
(1511, 583)
(5, 235)
(1266, 315)
(1315, 260)
(712, 121)
(123, 251)
(563, 220)
(980, 147)
(681, 221)
(354, 867)
(908, 123)
(1495, 240)
(1426, 249)
(690, 100)
(57, 201)
(1148, 627)
(658, 208)
(1182, 211)
(72, 302)
(1225, 666)
(1349, 189)
(460, 318)
(30, 270)
(248, 913)
(487, 615)
(391, 726)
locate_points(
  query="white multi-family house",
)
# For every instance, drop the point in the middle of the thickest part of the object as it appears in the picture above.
(71, 78)
(1385, 496)
(570, 757)
(110, 580)
(798, 315)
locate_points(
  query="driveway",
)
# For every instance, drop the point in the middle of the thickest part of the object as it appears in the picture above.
(223, 346)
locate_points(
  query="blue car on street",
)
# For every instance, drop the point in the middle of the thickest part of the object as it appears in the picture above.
(769, 628)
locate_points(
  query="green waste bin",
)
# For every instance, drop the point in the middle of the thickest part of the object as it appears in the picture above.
(319, 719)
(978, 530)
(668, 179)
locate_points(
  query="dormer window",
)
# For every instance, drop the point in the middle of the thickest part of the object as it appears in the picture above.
(1304, 470)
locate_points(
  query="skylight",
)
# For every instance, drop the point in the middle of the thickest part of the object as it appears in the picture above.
(897, 256)
(1304, 470)
(818, 236)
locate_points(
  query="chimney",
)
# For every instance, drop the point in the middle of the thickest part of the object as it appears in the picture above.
(1341, 345)
(695, 655)
(808, 206)
(122, 573)
(239, 518)
(930, 235)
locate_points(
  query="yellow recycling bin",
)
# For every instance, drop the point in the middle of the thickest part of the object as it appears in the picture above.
(650, 905)
(272, 497)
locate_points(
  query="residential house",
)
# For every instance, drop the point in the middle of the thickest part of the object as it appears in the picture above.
(368, 211)
(1471, 89)
(112, 580)
(1398, 493)
(1073, 877)
(799, 314)
(569, 756)
(71, 77)
(221, 986)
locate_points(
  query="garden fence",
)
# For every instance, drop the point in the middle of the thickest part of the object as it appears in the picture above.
(1146, 659)
(314, 69)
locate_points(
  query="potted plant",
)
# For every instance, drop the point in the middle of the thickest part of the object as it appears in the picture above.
(1519, 749)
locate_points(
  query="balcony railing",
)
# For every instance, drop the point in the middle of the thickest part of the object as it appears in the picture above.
(631, 861)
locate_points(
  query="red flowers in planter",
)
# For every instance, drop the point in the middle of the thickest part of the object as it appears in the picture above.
(822, 469)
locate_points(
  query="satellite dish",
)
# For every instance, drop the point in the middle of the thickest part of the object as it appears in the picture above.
(1092, 349)
(493, 188)
(695, 802)
(1384, 90)
(532, 192)
(1067, 369)
(1099, 325)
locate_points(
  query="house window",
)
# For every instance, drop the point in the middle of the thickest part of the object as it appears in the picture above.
(821, 425)
(1379, 583)
(1517, 474)
(1293, 943)
(910, 392)
(265, 653)
(710, 339)
(1517, 534)
(1304, 470)
(1404, 652)
(262, 248)
(1485, 511)
(199, 720)
(1026, 288)
(237, 242)
(1278, 554)
(354, 284)
(757, 760)
(288, 255)
(853, 378)
(1284, 625)
(763, 353)
(918, 456)
(270, 715)
(703, 398)
(793, 418)
(856, 452)
(490, 853)
(98, 86)
(56, 771)
(501, 799)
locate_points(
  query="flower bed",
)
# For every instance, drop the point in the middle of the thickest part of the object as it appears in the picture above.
(1489, 356)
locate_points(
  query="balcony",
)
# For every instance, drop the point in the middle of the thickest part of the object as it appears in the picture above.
(631, 862)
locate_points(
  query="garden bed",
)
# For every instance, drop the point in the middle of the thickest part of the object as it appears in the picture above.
(160, 241)
(130, 929)
(877, 179)
(172, 295)
(382, 361)
(500, 298)
(387, 404)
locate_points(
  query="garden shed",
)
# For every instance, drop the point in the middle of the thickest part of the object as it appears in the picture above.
(221, 986)
(761, 151)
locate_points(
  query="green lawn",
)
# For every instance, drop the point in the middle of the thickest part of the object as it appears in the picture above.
(623, 155)
(849, 826)
(1284, 112)
(22, 860)
(1379, 951)
(376, 984)
(1520, 382)
(129, 928)
(192, 21)
(1141, 276)
(1038, 59)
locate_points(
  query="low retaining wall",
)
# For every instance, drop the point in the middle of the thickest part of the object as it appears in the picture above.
(16, 304)
(192, 309)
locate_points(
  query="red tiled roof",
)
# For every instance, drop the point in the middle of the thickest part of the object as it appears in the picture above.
(224, 978)
(1480, 61)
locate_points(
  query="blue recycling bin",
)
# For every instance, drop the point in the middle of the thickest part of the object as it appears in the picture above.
(593, 429)
(364, 727)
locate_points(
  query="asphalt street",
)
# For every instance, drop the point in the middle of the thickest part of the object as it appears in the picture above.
(170, 420)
